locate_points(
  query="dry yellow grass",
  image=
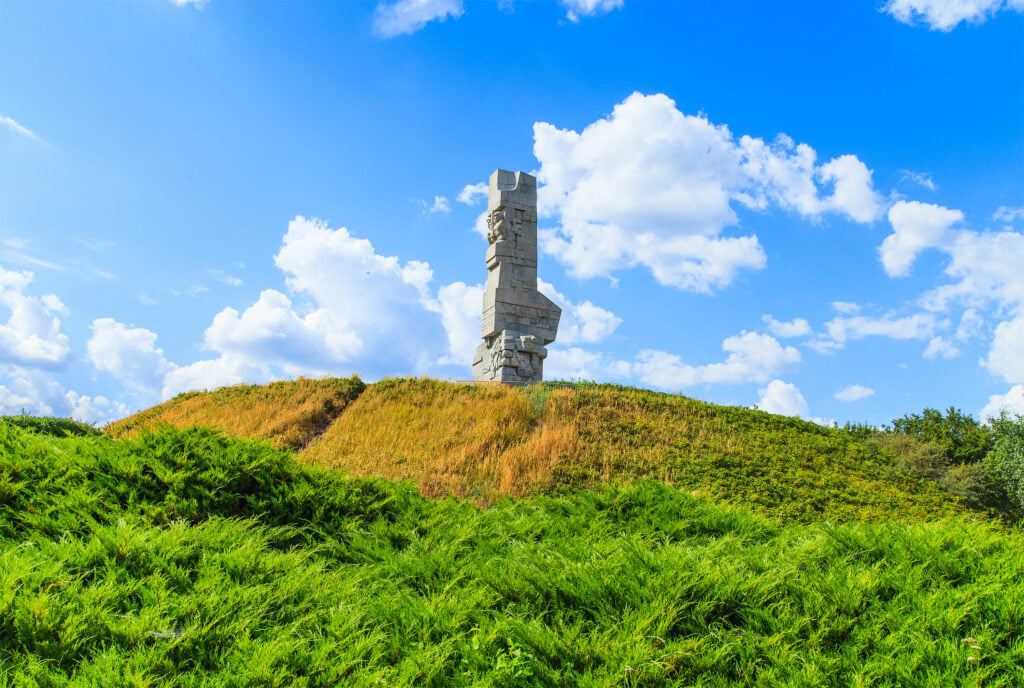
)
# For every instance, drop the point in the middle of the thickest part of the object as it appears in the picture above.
(465, 440)
(287, 414)
(487, 442)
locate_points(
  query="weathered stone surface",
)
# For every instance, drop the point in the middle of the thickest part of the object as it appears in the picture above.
(518, 320)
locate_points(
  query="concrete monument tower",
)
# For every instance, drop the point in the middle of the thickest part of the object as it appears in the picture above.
(518, 320)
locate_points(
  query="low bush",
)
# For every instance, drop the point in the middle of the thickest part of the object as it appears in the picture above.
(55, 427)
(1005, 463)
(972, 483)
(183, 558)
(914, 455)
(964, 439)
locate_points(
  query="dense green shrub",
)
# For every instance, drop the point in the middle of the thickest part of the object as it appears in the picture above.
(972, 483)
(861, 431)
(186, 559)
(913, 455)
(1005, 463)
(964, 438)
(189, 475)
(57, 427)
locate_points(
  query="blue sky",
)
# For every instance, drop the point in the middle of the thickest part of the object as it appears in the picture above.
(814, 207)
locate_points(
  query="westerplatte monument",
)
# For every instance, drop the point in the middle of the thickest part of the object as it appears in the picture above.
(518, 320)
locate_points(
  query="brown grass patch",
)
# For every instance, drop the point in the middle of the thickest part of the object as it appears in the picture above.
(488, 442)
(288, 414)
(467, 440)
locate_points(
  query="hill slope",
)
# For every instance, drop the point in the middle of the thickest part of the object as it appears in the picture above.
(485, 442)
(287, 414)
(185, 558)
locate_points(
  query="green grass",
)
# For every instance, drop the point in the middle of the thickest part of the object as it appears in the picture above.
(184, 558)
(57, 427)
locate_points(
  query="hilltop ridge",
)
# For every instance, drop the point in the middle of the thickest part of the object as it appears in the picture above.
(487, 442)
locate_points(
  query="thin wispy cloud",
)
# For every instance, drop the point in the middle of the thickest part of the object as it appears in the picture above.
(920, 178)
(1008, 214)
(21, 130)
(14, 250)
(94, 245)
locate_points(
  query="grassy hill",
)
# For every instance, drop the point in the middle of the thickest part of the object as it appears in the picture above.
(186, 558)
(287, 414)
(486, 442)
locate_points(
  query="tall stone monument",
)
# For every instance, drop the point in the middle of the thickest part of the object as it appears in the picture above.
(518, 320)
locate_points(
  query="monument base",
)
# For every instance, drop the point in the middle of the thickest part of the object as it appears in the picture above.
(510, 357)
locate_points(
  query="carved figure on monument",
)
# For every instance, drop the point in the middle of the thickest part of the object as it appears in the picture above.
(518, 321)
(497, 225)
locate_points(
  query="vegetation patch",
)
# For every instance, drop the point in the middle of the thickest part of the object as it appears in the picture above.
(56, 427)
(288, 414)
(184, 558)
(486, 442)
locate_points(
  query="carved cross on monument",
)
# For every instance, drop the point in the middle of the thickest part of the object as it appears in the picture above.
(518, 320)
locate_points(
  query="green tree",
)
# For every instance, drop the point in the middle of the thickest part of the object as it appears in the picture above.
(1005, 463)
(966, 440)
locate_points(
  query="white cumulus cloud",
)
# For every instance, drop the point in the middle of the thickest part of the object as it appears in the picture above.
(270, 331)
(574, 363)
(945, 15)
(28, 391)
(129, 354)
(971, 324)
(985, 265)
(783, 398)
(471, 194)
(35, 392)
(361, 296)
(940, 347)
(94, 409)
(409, 16)
(840, 330)
(440, 205)
(985, 272)
(854, 393)
(588, 8)
(1006, 356)
(352, 310)
(580, 323)
(916, 227)
(845, 307)
(32, 333)
(651, 186)
(461, 305)
(1012, 403)
(798, 327)
(227, 369)
(752, 357)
